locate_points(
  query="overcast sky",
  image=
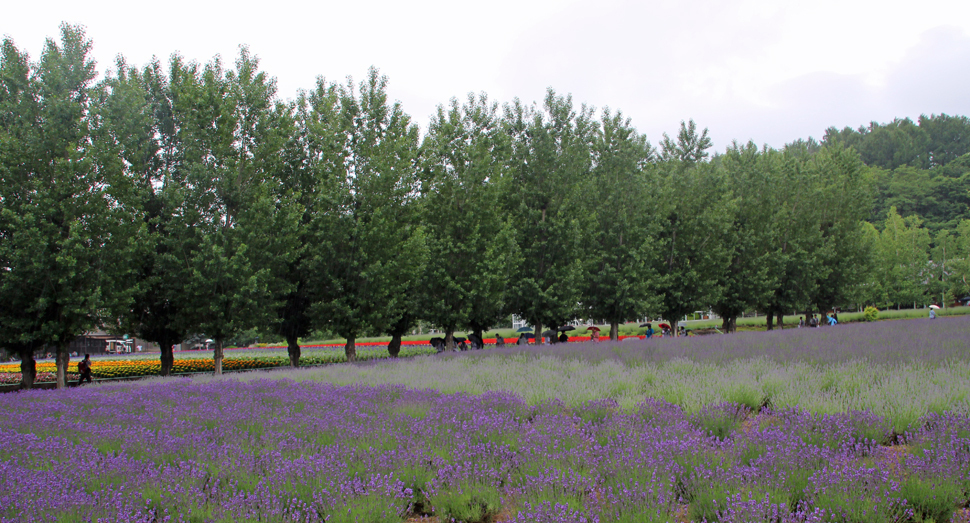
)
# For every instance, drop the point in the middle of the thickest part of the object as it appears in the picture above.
(765, 70)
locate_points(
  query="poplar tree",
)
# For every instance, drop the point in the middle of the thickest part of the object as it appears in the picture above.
(136, 109)
(796, 235)
(375, 250)
(621, 200)
(551, 155)
(471, 247)
(746, 279)
(696, 217)
(843, 200)
(234, 229)
(65, 222)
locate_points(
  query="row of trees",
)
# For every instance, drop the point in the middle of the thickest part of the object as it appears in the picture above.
(912, 266)
(166, 202)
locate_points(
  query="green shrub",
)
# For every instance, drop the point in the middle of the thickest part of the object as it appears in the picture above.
(469, 503)
(720, 421)
(932, 501)
(870, 313)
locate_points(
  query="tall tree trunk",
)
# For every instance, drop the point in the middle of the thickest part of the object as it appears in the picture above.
(28, 368)
(293, 350)
(217, 356)
(538, 333)
(394, 347)
(770, 319)
(350, 349)
(729, 325)
(781, 320)
(450, 338)
(62, 358)
(167, 357)
(614, 330)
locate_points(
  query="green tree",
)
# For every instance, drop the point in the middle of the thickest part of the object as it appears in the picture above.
(958, 263)
(746, 279)
(904, 251)
(797, 236)
(551, 154)
(949, 137)
(375, 247)
(22, 255)
(690, 148)
(65, 223)
(234, 229)
(471, 244)
(136, 111)
(696, 215)
(621, 241)
(842, 202)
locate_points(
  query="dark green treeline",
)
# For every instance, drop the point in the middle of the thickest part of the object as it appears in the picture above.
(183, 198)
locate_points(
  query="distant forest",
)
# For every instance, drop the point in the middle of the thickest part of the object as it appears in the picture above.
(920, 168)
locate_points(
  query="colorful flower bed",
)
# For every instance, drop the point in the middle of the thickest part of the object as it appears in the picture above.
(281, 451)
(119, 368)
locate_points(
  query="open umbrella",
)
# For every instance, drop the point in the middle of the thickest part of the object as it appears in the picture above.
(645, 324)
(664, 326)
(593, 328)
(525, 329)
(459, 339)
(565, 328)
(529, 335)
(934, 306)
(549, 333)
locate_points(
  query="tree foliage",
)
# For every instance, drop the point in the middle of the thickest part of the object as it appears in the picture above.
(471, 245)
(64, 221)
(551, 154)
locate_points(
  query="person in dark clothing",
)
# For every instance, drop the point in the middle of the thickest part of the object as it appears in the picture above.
(476, 342)
(84, 369)
(649, 332)
(563, 338)
(499, 340)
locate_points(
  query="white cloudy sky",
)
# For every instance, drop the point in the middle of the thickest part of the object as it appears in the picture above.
(764, 70)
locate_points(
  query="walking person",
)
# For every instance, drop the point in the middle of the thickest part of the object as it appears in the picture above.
(84, 369)
(932, 313)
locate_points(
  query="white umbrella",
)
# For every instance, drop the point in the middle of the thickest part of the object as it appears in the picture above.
(934, 306)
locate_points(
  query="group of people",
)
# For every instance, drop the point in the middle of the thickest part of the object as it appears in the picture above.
(474, 343)
(666, 331)
(815, 321)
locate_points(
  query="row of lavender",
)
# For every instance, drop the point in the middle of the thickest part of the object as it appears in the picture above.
(898, 370)
(277, 450)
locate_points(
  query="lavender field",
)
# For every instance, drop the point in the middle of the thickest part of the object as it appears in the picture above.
(898, 370)
(276, 450)
(795, 427)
